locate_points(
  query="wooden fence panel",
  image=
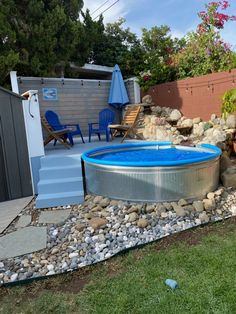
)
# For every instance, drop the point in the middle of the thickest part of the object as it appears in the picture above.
(195, 97)
(78, 101)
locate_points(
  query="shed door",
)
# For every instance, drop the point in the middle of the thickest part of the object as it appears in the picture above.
(3, 183)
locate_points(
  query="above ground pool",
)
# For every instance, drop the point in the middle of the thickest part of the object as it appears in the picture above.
(152, 172)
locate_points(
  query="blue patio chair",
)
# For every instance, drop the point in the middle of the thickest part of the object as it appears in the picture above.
(106, 117)
(55, 123)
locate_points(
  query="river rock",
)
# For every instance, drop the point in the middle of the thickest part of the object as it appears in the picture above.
(132, 217)
(80, 227)
(97, 222)
(204, 217)
(150, 208)
(164, 215)
(233, 210)
(198, 205)
(74, 254)
(211, 195)
(104, 202)
(179, 210)
(97, 208)
(142, 223)
(182, 202)
(97, 199)
(133, 209)
(50, 267)
(13, 277)
(209, 204)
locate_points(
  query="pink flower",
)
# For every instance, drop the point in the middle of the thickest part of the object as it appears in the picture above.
(146, 77)
(225, 4)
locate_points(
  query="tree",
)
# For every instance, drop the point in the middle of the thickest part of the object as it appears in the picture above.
(8, 57)
(159, 48)
(43, 39)
(205, 51)
(115, 44)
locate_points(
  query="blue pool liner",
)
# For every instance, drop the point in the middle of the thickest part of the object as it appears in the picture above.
(188, 154)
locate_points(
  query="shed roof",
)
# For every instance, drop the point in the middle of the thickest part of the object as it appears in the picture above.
(10, 92)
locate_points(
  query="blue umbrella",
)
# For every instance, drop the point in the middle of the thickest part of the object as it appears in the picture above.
(118, 96)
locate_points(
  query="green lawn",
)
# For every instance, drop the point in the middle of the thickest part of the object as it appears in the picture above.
(203, 261)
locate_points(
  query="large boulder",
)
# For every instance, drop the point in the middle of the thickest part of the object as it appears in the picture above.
(230, 121)
(197, 120)
(147, 99)
(198, 129)
(225, 162)
(175, 115)
(228, 177)
(188, 123)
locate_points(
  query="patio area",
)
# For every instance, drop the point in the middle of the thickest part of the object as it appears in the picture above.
(79, 148)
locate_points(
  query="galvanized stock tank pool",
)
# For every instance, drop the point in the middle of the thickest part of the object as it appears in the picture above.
(152, 172)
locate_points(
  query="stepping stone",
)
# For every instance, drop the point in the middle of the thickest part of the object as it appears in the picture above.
(10, 210)
(54, 216)
(23, 241)
(23, 221)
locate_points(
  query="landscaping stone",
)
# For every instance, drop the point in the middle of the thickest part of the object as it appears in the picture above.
(209, 204)
(132, 217)
(204, 217)
(198, 205)
(187, 123)
(54, 217)
(230, 121)
(211, 195)
(97, 222)
(80, 227)
(23, 241)
(182, 202)
(175, 115)
(78, 242)
(147, 99)
(104, 202)
(23, 221)
(179, 210)
(228, 177)
(197, 120)
(225, 163)
(97, 199)
(142, 223)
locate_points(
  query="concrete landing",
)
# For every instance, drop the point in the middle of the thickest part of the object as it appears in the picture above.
(10, 209)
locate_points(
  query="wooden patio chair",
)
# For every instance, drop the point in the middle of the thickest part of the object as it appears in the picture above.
(59, 135)
(128, 123)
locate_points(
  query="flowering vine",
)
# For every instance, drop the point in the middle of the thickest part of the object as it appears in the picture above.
(212, 18)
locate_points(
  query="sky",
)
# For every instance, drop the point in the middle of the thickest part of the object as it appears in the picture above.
(179, 15)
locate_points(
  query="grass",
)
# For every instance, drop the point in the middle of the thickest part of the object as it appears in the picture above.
(202, 261)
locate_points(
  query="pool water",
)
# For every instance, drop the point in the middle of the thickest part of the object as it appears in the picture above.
(152, 155)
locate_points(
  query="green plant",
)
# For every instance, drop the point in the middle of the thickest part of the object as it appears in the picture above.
(228, 102)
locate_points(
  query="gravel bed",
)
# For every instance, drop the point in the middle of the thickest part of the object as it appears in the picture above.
(100, 228)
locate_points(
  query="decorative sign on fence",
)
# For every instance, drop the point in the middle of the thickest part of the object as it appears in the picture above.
(49, 94)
